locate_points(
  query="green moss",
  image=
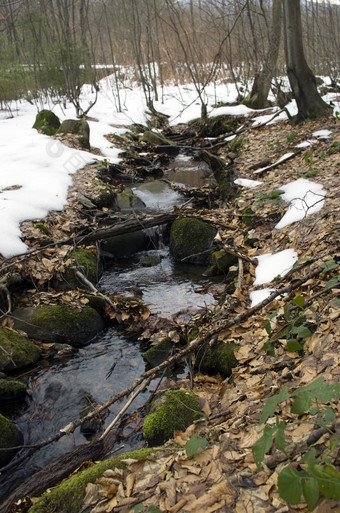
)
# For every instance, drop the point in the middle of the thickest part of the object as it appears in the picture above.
(11, 390)
(217, 125)
(248, 217)
(10, 436)
(42, 228)
(193, 332)
(86, 262)
(236, 144)
(159, 352)
(59, 323)
(16, 351)
(155, 139)
(71, 492)
(79, 127)
(174, 409)
(47, 122)
(218, 358)
(223, 260)
(190, 237)
(97, 302)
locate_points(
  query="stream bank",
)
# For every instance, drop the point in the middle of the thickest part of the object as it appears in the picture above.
(73, 377)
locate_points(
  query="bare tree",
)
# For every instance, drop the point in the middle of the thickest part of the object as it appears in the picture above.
(302, 80)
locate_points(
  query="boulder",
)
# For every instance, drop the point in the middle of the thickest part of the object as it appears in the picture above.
(220, 358)
(10, 436)
(159, 352)
(193, 238)
(59, 323)
(16, 351)
(125, 245)
(47, 122)
(217, 125)
(78, 127)
(127, 201)
(155, 139)
(222, 261)
(11, 390)
(87, 263)
(169, 411)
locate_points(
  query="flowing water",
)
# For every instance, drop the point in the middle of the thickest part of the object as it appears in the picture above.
(62, 388)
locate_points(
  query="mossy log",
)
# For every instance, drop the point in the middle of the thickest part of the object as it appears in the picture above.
(224, 175)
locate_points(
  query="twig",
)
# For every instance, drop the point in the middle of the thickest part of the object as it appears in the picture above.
(240, 274)
(125, 407)
(193, 346)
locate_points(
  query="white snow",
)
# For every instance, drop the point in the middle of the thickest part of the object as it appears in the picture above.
(36, 170)
(305, 144)
(304, 198)
(244, 182)
(230, 138)
(323, 134)
(257, 296)
(272, 265)
(284, 157)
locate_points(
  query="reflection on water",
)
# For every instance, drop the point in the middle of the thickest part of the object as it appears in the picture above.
(166, 288)
(187, 171)
(158, 195)
(59, 393)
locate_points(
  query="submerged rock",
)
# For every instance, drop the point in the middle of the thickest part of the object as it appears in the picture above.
(169, 411)
(47, 122)
(16, 351)
(10, 436)
(59, 323)
(191, 240)
(125, 245)
(158, 352)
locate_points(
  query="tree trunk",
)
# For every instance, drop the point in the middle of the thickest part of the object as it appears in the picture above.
(302, 81)
(262, 82)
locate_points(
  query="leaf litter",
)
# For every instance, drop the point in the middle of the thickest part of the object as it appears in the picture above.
(222, 474)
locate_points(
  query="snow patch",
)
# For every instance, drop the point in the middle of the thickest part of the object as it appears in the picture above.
(244, 182)
(257, 296)
(272, 265)
(305, 198)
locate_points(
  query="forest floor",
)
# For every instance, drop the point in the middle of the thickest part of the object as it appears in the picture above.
(220, 474)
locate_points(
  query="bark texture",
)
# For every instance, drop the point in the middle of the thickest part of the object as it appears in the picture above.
(302, 81)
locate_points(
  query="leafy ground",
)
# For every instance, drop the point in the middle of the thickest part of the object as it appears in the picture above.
(217, 471)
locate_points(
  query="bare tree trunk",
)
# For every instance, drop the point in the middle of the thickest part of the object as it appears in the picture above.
(262, 82)
(302, 81)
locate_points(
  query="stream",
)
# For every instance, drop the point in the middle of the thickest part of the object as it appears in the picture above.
(63, 387)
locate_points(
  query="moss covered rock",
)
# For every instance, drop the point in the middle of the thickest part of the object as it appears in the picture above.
(122, 246)
(222, 261)
(10, 436)
(79, 127)
(249, 217)
(169, 411)
(59, 323)
(87, 263)
(16, 351)
(217, 125)
(127, 201)
(47, 122)
(11, 390)
(193, 238)
(220, 358)
(159, 352)
(71, 491)
(155, 139)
